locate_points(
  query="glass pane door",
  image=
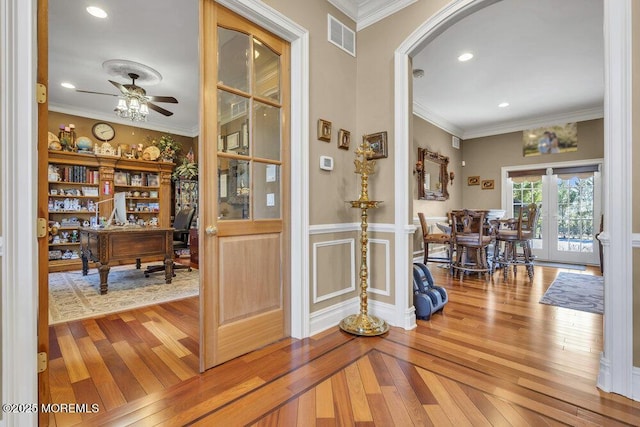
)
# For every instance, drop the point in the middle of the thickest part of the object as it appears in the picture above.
(569, 211)
(573, 225)
(527, 190)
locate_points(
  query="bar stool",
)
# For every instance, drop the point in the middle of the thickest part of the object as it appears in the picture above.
(471, 242)
(517, 233)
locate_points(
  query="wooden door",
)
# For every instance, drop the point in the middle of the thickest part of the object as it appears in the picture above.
(244, 257)
(43, 248)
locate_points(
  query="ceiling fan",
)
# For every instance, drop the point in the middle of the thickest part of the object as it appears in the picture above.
(135, 92)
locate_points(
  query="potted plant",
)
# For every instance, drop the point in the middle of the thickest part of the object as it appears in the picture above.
(168, 146)
(186, 170)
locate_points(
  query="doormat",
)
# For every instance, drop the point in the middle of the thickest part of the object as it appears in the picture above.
(582, 292)
(561, 265)
(73, 296)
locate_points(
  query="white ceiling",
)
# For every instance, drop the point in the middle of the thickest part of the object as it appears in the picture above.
(545, 57)
(162, 34)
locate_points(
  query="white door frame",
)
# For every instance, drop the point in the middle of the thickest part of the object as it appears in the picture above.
(272, 20)
(616, 361)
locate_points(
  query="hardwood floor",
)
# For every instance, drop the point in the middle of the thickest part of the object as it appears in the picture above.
(494, 357)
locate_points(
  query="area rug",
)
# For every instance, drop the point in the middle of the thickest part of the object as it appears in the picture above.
(73, 296)
(561, 265)
(576, 291)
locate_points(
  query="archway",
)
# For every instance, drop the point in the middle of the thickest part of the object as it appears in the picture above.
(616, 364)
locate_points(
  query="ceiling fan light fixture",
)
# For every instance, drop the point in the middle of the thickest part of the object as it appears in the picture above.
(134, 104)
(67, 85)
(132, 107)
(122, 105)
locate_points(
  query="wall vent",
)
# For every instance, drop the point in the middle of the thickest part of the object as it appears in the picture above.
(455, 142)
(341, 35)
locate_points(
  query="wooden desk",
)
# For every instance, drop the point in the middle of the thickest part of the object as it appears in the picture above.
(106, 245)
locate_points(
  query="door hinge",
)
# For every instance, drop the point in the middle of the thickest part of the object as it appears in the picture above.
(42, 361)
(41, 93)
(43, 227)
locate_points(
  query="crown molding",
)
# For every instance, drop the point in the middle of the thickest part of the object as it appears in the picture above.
(374, 11)
(176, 130)
(368, 12)
(509, 126)
(535, 122)
(426, 114)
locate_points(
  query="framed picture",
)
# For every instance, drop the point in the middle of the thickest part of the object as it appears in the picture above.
(120, 178)
(136, 180)
(487, 184)
(378, 143)
(233, 141)
(153, 194)
(550, 140)
(153, 181)
(473, 180)
(344, 139)
(324, 130)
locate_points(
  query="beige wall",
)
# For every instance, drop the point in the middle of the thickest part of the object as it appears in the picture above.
(485, 157)
(129, 135)
(375, 94)
(332, 97)
(426, 135)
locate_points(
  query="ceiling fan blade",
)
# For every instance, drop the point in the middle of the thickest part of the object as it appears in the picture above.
(159, 109)
(97, 93)
(170, 99)
(120, 87)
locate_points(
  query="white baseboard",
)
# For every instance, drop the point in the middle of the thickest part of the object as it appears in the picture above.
(329, 317)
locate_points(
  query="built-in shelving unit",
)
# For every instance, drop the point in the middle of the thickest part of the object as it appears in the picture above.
(80, 191)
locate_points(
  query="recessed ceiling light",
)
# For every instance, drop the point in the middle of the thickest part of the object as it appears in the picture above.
(503, 104)
(465, 57)
(67, 85)
(97, 12)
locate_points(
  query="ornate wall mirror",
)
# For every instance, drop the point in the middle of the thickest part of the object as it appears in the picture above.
(433, 177)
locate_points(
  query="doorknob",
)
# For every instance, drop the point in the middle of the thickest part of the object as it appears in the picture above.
(211, 230)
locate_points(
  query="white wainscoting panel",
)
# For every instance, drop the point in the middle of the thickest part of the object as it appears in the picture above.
(351, 286)
(387, 267)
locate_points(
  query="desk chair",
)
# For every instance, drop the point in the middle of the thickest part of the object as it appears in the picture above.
(434, 239)
(181, 225)
(517, 233)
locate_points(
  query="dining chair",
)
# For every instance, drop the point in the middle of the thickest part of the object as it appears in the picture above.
(471, 242)
(440, 239)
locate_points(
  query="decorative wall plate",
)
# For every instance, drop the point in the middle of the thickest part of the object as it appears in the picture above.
(151, 153)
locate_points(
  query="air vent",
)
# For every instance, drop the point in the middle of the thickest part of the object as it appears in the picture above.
(341, 35)
(455, 142)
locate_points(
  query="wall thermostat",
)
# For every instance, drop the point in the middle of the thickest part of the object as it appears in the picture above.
(326, 163)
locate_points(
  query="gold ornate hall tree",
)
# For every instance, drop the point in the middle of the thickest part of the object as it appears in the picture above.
(363, 323)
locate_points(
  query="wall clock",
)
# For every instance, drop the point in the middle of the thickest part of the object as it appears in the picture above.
(103, 131)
